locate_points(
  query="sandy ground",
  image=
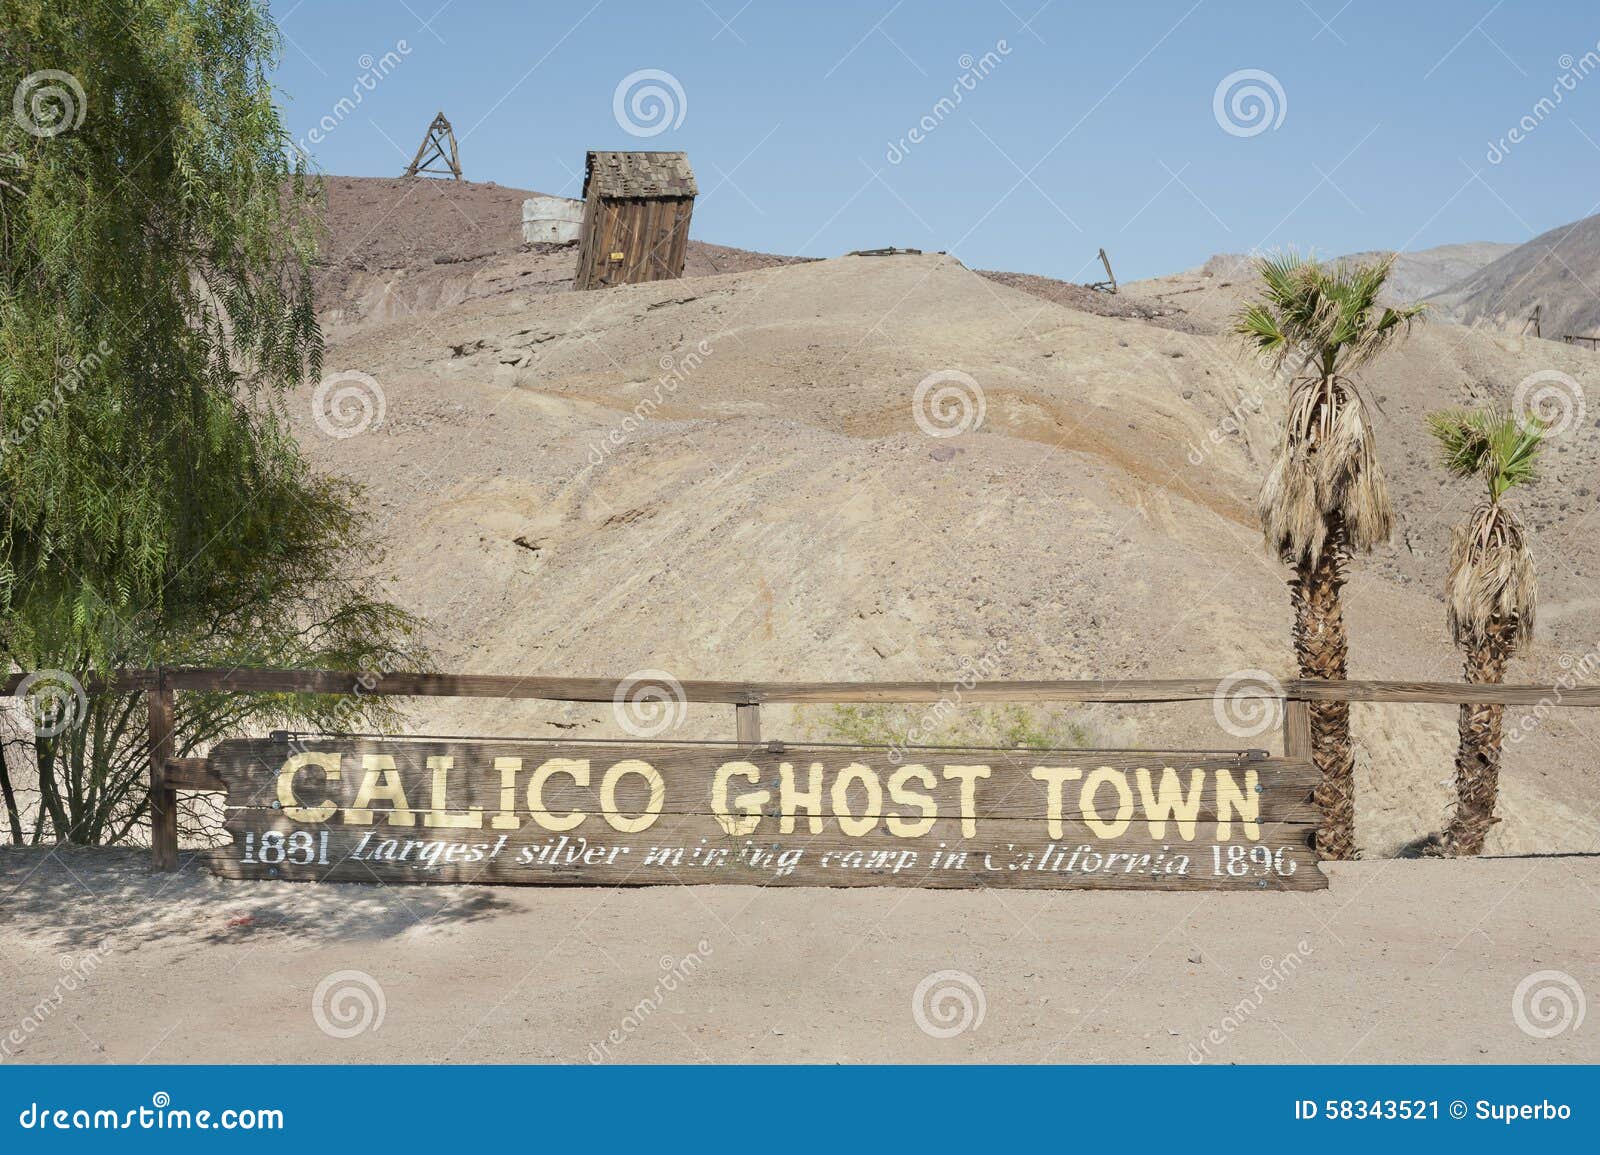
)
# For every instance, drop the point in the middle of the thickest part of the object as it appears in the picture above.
(1397, 961)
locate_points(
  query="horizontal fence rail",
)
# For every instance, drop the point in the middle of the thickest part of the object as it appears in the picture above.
(1130, 690)
(169, 774)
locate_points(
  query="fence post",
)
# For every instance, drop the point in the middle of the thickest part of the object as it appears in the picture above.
(747, 723)
(163, 799)
(1296, 728)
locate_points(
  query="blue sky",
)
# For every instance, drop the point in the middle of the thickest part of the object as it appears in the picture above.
(1078, 125)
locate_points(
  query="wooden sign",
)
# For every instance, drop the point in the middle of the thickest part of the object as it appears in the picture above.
(588, 813)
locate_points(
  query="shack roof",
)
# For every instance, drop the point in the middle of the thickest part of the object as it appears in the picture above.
(639, 174)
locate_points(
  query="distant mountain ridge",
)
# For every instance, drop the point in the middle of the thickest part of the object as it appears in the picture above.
(1557, 272)
(1416, 275)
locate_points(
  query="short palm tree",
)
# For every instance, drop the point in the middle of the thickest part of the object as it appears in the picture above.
(1324, 496)
(1491, 598)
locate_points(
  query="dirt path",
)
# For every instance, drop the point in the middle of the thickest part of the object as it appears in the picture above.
(1398, 960)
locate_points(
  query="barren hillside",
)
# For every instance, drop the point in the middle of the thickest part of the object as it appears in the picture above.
(1557, 271)
(726, 476)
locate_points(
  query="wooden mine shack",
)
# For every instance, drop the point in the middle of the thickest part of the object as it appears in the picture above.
(635, 218)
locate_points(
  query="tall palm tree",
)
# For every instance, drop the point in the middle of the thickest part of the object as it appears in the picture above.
(1491, 598)
(1324, 496)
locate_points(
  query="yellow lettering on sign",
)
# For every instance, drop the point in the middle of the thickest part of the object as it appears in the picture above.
(749, 803)
(323, 810)
(507, 818)
(380, 781)
(1055, 779)
(1118, 826)
(608, 796)
(1247, 802)
(578, 770)
(968, 777)
(1170, 802)
(469, 819)
(791, 799)
(900, 795)
(856, 826)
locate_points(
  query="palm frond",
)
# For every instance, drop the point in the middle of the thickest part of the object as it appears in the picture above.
(1492, 579)
(1488, 443)
(1328, 314)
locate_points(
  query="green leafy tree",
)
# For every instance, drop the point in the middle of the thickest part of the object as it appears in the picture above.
(1324, 497)
(155, 310)
(1491, 596)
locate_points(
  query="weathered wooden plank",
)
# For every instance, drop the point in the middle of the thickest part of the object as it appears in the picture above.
(1147, 690)
(1443, 693)
(1296, 729)
(192, 774)
(496, 777)
(747, 724)
(692, 849)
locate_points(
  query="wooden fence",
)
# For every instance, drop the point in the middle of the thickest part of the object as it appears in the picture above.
(169, 775)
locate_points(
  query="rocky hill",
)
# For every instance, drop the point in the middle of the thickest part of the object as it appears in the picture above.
(1557, 271)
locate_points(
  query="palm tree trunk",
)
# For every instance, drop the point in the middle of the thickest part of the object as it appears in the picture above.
(1321, 647)
(1478, 755)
